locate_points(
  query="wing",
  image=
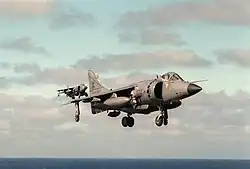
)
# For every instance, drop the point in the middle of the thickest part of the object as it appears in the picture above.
(123, 91)
(65, 89)
(84, 100)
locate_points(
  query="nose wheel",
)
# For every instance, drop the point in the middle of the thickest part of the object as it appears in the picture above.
(162, 119)
(128, 121)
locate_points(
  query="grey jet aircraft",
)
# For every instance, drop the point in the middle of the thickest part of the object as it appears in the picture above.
(162, 93)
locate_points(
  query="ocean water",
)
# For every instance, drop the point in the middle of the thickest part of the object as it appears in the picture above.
(122, 164)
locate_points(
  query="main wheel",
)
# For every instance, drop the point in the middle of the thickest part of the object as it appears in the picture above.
(125, 121)
(131, 121)
(159, 120)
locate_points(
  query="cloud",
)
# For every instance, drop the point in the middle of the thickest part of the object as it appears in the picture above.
(23, 44)
(151, 37)
(212, 105)
(116, 62)
(247, 129)
(26, 68)
(32, 74)
(144, 61)
(70, 126)
(60, 76)
(23, 8)
(5, 65)
(4, 82)
(58, 14)
(69, 18)
(228, 12)
(217, 120)
(234, 57)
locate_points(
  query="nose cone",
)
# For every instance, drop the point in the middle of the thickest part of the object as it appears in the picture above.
(193, 89)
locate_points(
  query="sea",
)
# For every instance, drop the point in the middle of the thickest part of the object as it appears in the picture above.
(52, 163)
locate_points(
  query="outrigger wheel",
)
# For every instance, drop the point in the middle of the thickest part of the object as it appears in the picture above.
(77, 118)
(77, 113)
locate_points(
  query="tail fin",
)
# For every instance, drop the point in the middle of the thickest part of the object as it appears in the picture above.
(95, 87)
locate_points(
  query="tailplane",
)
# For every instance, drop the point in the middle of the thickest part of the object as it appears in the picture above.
(95, 87)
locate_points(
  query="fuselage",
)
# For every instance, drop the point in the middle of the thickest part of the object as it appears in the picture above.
(149, 94)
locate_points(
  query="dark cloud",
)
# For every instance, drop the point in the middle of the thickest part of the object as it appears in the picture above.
(70, 18)
(23, 44)
(234, 12)
(151, 37)
(217, 120)
(234, 57)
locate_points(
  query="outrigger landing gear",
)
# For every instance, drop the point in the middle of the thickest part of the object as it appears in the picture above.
(77, 113)
(128, 121)
(162, 118)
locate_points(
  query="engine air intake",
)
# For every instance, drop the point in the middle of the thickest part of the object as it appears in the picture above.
(158, 90)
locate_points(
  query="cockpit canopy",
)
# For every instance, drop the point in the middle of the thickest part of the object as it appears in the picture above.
(172, 76)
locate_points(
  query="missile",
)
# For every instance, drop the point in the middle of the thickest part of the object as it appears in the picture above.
(114, 113)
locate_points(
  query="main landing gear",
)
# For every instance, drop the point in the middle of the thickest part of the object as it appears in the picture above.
(162, 119)
(128, 121)
(77, 113)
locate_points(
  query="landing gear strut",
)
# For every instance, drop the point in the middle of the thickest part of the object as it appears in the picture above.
(128, 121)
(77, 113)
(162, 118)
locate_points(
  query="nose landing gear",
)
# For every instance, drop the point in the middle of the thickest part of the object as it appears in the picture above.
(162, 119)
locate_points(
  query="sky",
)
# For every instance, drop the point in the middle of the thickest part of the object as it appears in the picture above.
(47, 45)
